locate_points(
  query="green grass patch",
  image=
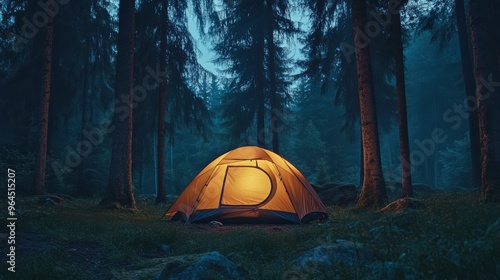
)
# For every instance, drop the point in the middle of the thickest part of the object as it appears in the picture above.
(453, 236)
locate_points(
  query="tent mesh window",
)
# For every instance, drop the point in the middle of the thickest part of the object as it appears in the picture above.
(245, 186)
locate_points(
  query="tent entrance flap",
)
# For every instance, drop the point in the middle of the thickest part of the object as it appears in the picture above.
(245, 186)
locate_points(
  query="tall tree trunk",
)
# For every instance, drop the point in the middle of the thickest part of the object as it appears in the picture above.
(272, 78)
(155, 163)
(470, 91)
(141, 173)
(434, 168)
(41, 156)
(361, 159)
(83, 189)
(404, 143)
(172, 174)
(120, 177)
(162, 106)
(373, 192)
(486, 74)
(261, 110)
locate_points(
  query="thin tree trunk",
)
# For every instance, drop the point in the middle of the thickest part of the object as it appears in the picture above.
(155, 163)
(404, 143)
(373, 192)
(433, 181)
(120, 178)
(82, 186)
(272, 78)
(162, 106)
(172, 176)
(141, 173)
(260, 57)
(486, 74)
(361, 159)
(261, 131)
(41, 157)
(470, 91)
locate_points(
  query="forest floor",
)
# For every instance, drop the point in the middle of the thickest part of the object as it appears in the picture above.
(453, 236)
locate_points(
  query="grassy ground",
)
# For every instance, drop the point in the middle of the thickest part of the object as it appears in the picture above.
(453, 237)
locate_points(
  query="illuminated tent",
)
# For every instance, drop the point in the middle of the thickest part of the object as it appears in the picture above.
(248, 184)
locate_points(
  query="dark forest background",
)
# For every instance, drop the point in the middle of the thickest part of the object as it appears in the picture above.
(283, 79)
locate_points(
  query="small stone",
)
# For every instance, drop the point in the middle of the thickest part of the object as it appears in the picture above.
(216, 223)
(165, 248)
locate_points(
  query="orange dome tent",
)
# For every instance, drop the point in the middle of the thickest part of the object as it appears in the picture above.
(248, 184)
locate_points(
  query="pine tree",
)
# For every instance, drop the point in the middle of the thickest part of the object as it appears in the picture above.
(404, 143)
(470, 91)
(119, 188)
(176, 104)
(484, 39)
(162, 104)
(279, 25)
(41, 158)
(248, 43)
(96, 26)
(373, 192)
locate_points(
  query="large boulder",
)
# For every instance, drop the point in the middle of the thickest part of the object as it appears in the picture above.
(322, 261)
(339, 195)
(210, 265)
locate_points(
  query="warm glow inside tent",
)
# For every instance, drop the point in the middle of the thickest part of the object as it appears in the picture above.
(248, 184)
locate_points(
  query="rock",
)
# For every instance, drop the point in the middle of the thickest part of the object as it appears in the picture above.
(166, 249)
(322, 261)
(210, 265)
(316, 188)
(143, 269)
(339, 195)
(215, 223)
(402, 204)
(316, 263)
(50, 199)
